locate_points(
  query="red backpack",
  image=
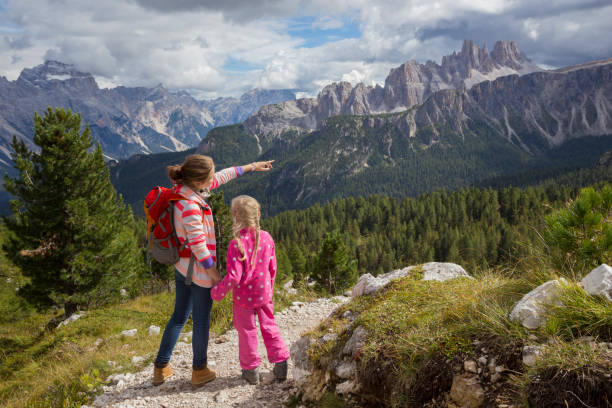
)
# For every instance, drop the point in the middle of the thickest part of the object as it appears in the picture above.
(162, 242)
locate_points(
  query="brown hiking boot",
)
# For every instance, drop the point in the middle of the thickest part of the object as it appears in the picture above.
(161, 373)
(202, 376)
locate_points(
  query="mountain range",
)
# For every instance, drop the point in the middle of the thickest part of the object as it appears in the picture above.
(477, 116)
(516, 123)
(408, 85)
(126, 121)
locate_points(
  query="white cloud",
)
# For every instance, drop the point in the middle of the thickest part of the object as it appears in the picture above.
(185, 44)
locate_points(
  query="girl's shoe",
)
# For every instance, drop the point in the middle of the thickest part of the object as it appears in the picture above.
(160, 374)
(251, 376)
(280, 371)
(202, 376)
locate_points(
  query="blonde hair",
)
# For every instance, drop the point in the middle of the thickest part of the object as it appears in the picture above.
(245, 214)
(196, 168)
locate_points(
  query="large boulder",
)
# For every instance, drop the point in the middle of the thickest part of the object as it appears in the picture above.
(438, 271)
(442, 271)
(530, 310)
(599, 282)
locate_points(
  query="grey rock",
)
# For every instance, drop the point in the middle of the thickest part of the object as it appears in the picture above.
(466, 391)
(129, 333)
(530, 355)
(73, 318)
(442, 271)
(347, 387)
(599, 282)
(470, 366)
(529, 311)
(266, 378)
(154, 330)
(299, 356)
(346, 369)
(356, 342)
(438, 271)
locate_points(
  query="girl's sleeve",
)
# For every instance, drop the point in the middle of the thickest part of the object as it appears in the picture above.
(272, 264)
(226, 175)
(196, 235)
(234, 273)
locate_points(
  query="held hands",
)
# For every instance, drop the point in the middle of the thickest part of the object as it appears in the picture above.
(214, 275)
(262, 166)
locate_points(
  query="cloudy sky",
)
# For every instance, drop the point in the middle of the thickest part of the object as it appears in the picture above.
(225, 47)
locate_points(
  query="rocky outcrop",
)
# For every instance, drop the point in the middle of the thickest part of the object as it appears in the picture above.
(408, 85)
(438, 271)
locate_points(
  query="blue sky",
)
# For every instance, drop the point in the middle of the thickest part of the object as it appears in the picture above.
(213, 48)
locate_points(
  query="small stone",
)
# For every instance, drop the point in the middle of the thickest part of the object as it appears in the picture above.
(123, 293)
(137, 360)
(329, 337)
(221, 339)
(154, 330)
(129, 333)
(530, 355)
(211, 363)
(266, 378)
(300, 304)
(495, 377)
(500, 369)
(98, 342)
(532, 337)
(347, 387)
(470, 366)
(466, 391)
(482, 360)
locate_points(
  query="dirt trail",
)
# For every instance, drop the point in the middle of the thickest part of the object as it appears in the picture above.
(228, 389)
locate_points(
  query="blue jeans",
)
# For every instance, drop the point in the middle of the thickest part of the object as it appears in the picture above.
(188, 298)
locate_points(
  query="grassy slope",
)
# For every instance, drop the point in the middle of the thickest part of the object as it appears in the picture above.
(409, 354)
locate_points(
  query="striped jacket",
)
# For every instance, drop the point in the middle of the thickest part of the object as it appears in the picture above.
(195, 224)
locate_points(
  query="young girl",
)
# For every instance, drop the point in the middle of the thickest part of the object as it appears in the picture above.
(193, 221)
(251, 269)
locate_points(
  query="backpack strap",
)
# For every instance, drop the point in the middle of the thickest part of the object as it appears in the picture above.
(189, 277)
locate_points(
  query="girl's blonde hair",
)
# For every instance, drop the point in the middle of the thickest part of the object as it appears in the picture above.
(196, 168)
(245, 214)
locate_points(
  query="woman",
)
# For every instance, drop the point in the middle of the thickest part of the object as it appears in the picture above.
(193, 222)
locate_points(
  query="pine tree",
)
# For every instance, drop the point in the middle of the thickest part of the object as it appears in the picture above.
(333, 271)
(223, 227)
(70, 231)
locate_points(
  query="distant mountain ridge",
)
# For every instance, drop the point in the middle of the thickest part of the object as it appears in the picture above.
(408, 85)
(126, 121)
(540, 121)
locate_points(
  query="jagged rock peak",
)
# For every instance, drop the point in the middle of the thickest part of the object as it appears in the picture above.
(507, 53)
(52, 70)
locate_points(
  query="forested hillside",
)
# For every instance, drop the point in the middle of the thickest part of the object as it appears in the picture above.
(357, 156)
(476, 228)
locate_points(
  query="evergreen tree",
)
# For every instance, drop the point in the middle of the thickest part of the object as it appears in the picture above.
(70, 231)
(298, 263)
(223, 228)
(580, 235)
(333, 271)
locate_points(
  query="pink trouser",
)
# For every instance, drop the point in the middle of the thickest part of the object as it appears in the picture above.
(244, 322)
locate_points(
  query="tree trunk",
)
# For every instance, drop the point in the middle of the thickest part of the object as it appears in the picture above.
(70, 308)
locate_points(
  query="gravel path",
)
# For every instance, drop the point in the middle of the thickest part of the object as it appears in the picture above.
(228, 389)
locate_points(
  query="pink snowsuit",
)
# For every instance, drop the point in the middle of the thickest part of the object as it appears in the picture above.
(253, 290)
